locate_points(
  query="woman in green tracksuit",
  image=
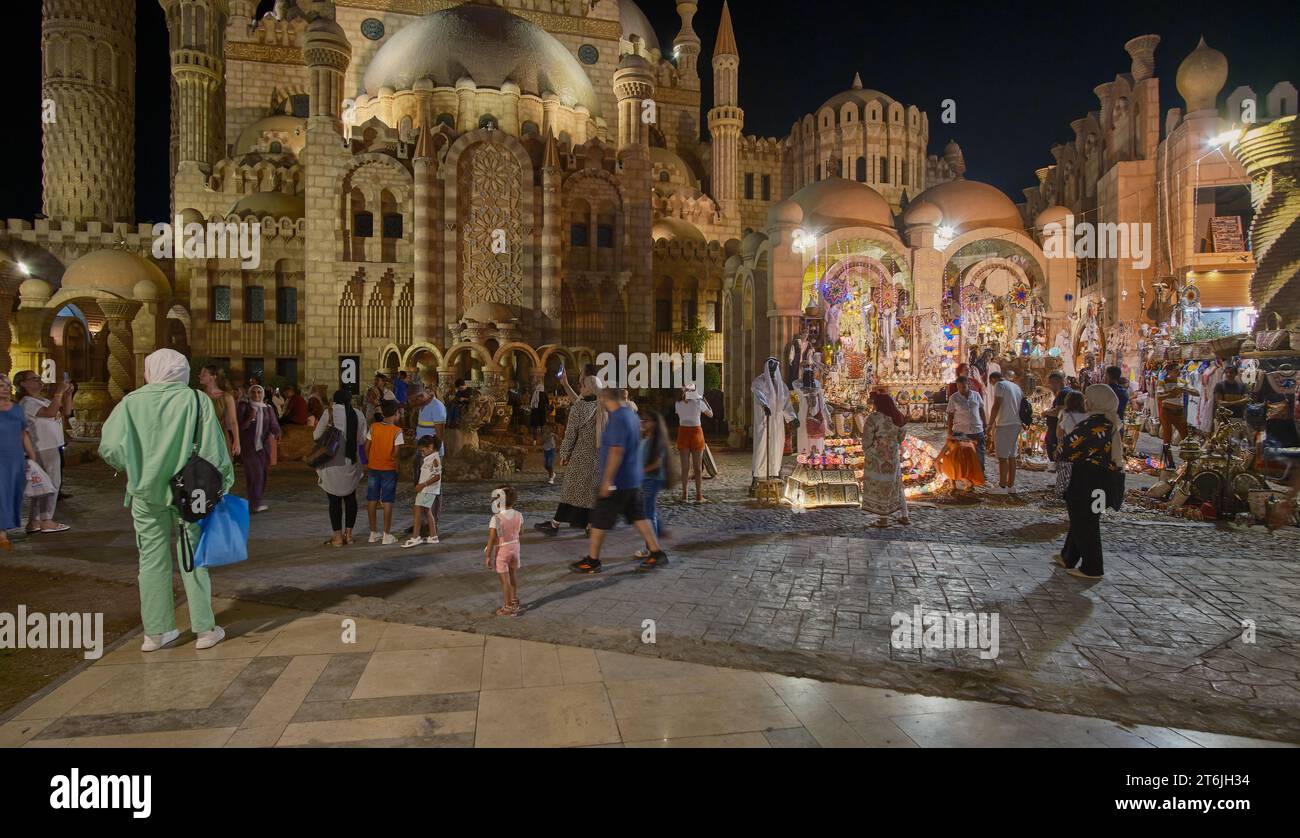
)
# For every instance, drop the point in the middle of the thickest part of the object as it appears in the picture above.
(149, 436)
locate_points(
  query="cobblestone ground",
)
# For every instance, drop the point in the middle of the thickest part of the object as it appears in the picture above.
(1159, 641)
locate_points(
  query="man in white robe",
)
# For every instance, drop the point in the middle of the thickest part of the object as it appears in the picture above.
(771, 411)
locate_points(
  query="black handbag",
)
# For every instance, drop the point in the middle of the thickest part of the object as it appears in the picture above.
(196, 488)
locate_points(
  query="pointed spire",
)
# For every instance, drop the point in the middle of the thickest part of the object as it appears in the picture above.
(726, 43)
(857, 81)
(551, 156)
(424, 149)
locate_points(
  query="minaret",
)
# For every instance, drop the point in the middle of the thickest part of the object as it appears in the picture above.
(726, 120)
(327, 53)
(686, 46)
(88, 93)
(197, 38)
(634, 84)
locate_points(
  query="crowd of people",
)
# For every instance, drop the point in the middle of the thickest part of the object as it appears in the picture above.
(613, 460)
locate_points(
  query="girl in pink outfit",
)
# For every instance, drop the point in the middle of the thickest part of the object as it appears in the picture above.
(503, 541)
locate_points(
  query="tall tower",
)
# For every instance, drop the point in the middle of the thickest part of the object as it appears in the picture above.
(634, 83)
(686, 46)
(197, 41)
(88, 93)
(328, 53)
(726, 120)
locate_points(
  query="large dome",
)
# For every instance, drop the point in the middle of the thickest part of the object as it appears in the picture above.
(836, 202)
(487, 44)
(634, 22)
(114, 271)
(969, 204)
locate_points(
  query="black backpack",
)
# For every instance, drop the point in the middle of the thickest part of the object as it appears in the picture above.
(196, 488)
(1026, 412)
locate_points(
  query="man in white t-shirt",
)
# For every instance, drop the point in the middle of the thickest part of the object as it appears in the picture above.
(966, 414)
(1005, 423)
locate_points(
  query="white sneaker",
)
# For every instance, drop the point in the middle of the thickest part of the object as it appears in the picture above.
(210, 638)
(389, 538)
(154, 642)
(374, 538)
(550, 482)
(414, 541)
(262, 508)
(433, 539)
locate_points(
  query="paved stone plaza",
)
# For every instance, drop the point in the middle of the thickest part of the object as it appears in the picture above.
(1157, 644)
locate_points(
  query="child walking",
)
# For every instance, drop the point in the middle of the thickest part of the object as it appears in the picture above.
(428, 492)
(502, 548)
(548, 452)
(381, 484)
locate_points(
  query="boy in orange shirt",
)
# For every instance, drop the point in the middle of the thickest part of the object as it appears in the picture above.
(381, 485)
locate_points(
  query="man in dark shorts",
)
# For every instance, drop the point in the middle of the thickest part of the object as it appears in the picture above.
(621, 472)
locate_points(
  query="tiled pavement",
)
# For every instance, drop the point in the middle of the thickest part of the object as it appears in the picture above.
(285, 678)
(1159, 642)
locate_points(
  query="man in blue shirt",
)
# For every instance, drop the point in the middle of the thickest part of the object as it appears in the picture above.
(432, 421)
(620, 484)
(399, 389)
(1115, 378)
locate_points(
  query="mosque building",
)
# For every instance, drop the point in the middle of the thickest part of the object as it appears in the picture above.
(490, 188)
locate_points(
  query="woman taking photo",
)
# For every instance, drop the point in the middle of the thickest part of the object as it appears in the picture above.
(45, 428)
(1095, 452)
(15, 450)
(882, 466)
(213, 382)
(340, 476)
(257, 424)
(690, 439)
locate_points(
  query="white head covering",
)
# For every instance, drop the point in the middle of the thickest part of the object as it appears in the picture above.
(259, 412)
(166, 366)
(1101, 400)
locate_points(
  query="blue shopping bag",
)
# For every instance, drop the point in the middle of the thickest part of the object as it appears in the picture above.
(225, 534)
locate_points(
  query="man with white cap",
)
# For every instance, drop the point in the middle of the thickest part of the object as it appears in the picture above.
(149, 435)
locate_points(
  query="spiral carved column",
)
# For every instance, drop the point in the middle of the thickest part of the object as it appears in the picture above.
(121, 351)
(1270, 154)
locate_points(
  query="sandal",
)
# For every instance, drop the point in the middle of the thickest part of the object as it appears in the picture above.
(507, 611)
(59, 528)
(641, 554)
(329, 542)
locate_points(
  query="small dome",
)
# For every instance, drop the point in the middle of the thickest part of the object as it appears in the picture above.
(35, 290)
(145, 291)
(676, 229)
(785, 212)
(486, 312)
(484, 43)
(268, 205)
(1201, 76)
(679, 171)
(289, 131)
(969, 204)
(1051, 215)
(922, 213)
(114, 271)
(836, 202)
(634, 22)
(860, 96)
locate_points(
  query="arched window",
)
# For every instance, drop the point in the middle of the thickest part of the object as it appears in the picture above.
(664, 176)
(905, 180)
(861, 174)
(839, 167)
(446, 119)
(363, 225)
(884, 170)
(300, 104)
(529, 127)
(578, 235)
(276, 148)
(487, 120)
(392, 225)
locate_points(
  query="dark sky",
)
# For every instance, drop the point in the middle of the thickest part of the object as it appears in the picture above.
(1019, 71)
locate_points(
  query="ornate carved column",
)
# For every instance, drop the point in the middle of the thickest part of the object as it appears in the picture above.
(121, 351)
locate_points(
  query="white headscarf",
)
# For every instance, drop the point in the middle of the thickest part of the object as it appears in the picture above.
(166, 366)
(1101, 400)
(259, 411)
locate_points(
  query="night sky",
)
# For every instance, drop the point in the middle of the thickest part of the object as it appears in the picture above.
(1019, 71)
